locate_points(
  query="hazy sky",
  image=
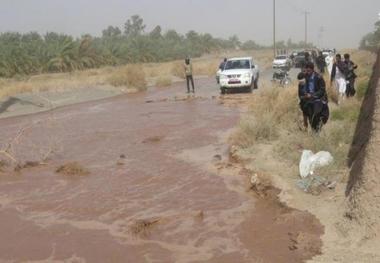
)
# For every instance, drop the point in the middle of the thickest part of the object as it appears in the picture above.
(344, 21)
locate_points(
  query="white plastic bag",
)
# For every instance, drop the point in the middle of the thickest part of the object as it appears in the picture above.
(310, 161)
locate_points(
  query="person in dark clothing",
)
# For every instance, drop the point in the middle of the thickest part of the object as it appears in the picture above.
(306, 60)
(321, 63)
(313, 98)
(223, 64)
(350, 76)
(303, 101)
(188, 68)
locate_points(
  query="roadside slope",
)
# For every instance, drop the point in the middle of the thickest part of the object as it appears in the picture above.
(363, 189)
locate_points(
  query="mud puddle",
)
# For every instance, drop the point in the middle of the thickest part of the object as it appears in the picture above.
(158, 187)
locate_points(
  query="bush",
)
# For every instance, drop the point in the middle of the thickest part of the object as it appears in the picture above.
(131, 76)
(271, 109)
(163, 81)
(253, 130)
(207, 68)
(177, 70)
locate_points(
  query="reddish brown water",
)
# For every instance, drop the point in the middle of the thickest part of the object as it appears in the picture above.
(161, 203)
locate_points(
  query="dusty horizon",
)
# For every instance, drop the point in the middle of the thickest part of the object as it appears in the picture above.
(221, 19)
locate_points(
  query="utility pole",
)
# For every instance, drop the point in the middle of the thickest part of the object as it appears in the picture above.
(320, 36)
(274, 28)
(306, 14)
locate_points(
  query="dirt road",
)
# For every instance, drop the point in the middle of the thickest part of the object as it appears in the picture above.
(160, 187)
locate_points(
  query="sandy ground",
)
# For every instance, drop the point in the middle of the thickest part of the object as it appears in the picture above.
(350, 212)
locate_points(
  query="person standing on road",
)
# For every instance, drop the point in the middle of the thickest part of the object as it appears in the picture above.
(329, 62)
(223, 64)
(188, 68)
(321, 63)
(338, 74)
(351, 76)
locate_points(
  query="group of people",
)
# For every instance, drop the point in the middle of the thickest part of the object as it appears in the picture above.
(343, 74)
(312, 88)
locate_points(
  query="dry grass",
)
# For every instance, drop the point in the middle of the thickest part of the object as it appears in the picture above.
(177, 69)
(275, 118)
(131, 77)
(206, 67)
(278, 124)
(164, 81)
(270, 110)
(72, 169)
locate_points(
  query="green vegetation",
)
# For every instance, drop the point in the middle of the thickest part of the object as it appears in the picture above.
(32, 53)
(362, 87)
(371, 41)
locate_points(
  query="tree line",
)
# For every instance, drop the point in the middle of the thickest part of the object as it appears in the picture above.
(371, 41)
(33, 53)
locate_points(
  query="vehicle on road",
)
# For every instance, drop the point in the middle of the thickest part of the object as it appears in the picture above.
(239, 73)
(300, 59)
(282, 61)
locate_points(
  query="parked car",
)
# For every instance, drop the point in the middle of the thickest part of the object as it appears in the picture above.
(282, 61)
(300, 59)
(239, 73)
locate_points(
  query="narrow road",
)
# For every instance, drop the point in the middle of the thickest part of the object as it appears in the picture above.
(153, 193)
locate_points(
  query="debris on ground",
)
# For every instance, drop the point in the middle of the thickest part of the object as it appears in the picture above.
(153, 139)
(3, 164)
(143, 226)
(261, 185)
(72, 169)
(312, 184)
(310, 161)
(121, 161)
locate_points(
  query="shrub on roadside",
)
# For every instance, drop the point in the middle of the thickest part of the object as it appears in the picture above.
(163, 81)
(131, 76)
(206, 68)
(177, 70)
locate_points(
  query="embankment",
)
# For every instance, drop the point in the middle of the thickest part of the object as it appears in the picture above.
(363, 188)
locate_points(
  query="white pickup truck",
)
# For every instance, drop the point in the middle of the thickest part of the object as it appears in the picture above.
(239, 73)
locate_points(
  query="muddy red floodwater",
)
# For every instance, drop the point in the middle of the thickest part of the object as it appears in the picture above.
(158, 203)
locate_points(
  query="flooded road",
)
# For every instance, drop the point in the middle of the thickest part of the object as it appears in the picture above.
(153, 193)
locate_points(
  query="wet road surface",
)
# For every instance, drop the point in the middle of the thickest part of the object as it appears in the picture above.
(152, 195)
